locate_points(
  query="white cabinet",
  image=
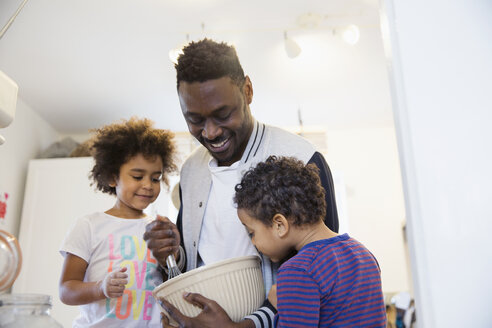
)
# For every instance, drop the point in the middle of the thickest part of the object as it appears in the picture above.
(58, 192)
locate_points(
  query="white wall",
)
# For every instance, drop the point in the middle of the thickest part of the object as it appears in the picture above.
(439, 55)
(368, 160)
(25, 138)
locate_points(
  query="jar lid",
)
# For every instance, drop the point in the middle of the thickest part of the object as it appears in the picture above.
(25, 299)
(10, 260)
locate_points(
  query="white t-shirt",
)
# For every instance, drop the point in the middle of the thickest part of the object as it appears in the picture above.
(223, 236)
(106, 243)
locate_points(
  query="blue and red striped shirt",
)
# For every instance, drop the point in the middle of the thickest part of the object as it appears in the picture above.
(333, 282)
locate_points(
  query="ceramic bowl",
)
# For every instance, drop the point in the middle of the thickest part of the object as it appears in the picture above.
(235, 284)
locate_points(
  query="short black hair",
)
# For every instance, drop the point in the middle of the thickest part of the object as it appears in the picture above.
(115, 144)
(282, 185)
(208, 60)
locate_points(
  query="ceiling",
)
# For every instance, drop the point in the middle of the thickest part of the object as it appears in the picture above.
(84, 63)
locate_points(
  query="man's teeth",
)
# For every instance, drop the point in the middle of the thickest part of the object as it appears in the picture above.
(220, 144)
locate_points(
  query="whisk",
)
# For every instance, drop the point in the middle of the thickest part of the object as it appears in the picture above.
(172, 267)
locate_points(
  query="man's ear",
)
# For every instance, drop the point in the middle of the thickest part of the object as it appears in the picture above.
(281, 225)
(248, 90)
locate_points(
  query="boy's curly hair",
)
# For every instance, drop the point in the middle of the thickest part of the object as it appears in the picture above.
(282, 185)
(115, 144)
(208, 60)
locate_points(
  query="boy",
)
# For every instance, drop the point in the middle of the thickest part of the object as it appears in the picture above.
(333, 280)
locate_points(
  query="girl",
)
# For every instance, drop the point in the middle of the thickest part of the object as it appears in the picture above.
(108, 269)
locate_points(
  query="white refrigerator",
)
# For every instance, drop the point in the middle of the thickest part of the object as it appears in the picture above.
(58, 192)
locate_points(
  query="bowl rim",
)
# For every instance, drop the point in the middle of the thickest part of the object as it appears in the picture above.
(204, 268)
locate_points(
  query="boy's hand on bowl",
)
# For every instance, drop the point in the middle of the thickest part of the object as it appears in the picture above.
(272, 296)
(212, 314)
(162, 237)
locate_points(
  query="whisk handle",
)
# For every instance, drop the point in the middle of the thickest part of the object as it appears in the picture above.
(171, 261)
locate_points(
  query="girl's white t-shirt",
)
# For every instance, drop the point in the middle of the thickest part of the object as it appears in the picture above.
(106, 243)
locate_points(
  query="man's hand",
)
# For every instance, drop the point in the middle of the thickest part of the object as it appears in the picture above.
(162, 237)
(212, 314)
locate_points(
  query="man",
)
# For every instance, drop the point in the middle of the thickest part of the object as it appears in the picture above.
(215, 95)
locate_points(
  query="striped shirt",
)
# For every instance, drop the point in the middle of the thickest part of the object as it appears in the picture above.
(333, 282)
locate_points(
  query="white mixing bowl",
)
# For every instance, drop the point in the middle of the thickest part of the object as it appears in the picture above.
(235, 284)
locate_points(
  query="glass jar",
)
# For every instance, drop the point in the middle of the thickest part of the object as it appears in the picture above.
(26, 310)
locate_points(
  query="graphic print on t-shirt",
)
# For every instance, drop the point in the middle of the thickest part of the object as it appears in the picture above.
(137, 301)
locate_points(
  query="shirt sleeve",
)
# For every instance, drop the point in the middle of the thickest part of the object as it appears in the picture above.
(298, 299)
(78, 240)
(331, 218)
(264, 316)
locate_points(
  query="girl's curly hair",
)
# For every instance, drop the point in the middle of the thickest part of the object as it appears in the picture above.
(115, 144)
(282, 185)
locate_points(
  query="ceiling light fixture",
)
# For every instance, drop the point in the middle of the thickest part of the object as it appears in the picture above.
(309, 20)
(291, 47)
(351, 34)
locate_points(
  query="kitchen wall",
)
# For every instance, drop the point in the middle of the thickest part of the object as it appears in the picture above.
(25, 138)
(368, 160)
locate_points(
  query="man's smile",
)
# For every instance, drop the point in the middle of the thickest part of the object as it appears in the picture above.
(219, 146)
